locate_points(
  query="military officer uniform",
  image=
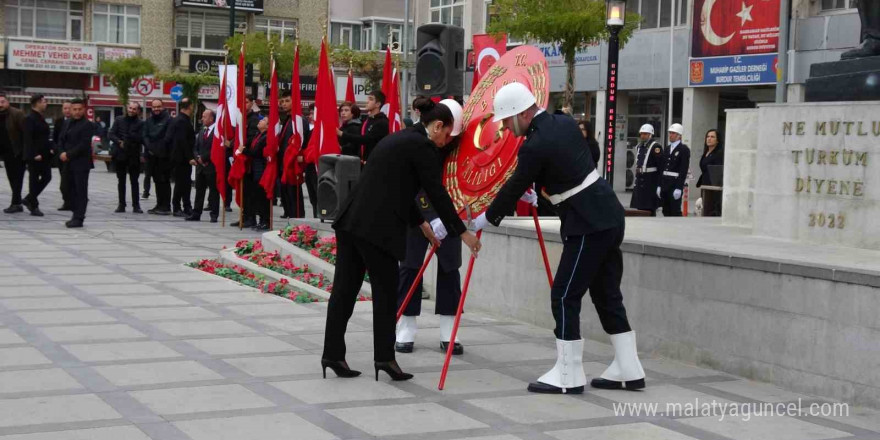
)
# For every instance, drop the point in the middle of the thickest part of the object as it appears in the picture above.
(554, 157)
(649, 159)
(448, 282)
(676, 161)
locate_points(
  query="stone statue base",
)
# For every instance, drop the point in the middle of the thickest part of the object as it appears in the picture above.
(846, 80)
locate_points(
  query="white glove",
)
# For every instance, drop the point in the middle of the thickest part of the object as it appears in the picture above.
(658, 192)
(439, 229)
(530, 197)
(676, 194)
(480, 222)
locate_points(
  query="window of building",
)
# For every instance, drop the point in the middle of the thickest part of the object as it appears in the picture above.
(367, 37)
(346, 34)
(656, 13)
(831, 5)
(44, 19)
(203, 30)
(384, 31)
(284, 29)
(447, 12)
(118, 24)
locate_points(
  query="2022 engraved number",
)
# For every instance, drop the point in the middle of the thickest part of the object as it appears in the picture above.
(827, 220)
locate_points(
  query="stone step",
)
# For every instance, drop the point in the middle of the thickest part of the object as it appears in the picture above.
(856, 86)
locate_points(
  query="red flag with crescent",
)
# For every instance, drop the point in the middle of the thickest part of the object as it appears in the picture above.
(486, 157)
(487, 51)
(735, 27)
(270, 175)
(293, 170)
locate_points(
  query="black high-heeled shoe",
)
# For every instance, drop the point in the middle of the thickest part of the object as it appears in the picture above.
(339, 367)
(393, 370)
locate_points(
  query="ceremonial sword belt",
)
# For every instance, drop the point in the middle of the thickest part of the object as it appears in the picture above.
(670, 173)
(561, 197)
(648, 170)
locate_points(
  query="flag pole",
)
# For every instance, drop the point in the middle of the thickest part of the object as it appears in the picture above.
(464, 291)
(241, 204)
(415, 283)
(541, 243)
(227, 50)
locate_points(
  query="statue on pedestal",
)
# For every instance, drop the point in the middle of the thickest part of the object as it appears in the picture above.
(869, 13)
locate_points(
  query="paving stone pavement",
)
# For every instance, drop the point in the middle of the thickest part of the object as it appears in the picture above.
(105, 335)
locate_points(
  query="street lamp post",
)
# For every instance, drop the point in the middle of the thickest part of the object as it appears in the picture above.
(232, 17)
(615, 19)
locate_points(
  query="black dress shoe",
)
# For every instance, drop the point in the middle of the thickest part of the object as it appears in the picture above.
(74, 223)
(261, 227)
(194, 218)
(403, 347)
(65, 207)
(35, 211)
(605, 384)
(120, 209)
(146, 195)
(137, 210)
(13, 209)
(339, 367)
(457, 349)
(180, 214)
(157, 211)
(393, 370)
(543, 388)
(285, 216)
(228, 209)
(213, 219)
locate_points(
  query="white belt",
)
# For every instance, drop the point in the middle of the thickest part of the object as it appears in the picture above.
(559, 198)
(670, 174)
(649, 170)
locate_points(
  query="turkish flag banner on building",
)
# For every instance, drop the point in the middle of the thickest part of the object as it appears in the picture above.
(487, 50)
(486, 157)
(735, 27)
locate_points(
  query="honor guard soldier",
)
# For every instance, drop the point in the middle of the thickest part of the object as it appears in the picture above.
(448, 261)
(554, 157)
(648, 160)
(676, 160)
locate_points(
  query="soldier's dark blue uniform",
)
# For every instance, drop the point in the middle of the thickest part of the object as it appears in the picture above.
(649, 160)
(676, 160)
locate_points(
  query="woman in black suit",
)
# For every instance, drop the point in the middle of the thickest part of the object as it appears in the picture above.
(713, 154)
(371, 234)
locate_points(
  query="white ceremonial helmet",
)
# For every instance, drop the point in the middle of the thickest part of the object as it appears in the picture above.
(647, 128)
(676, 128)
(512, 100)
(457, 111)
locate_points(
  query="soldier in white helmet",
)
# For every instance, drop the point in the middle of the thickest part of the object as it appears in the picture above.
(676, 160)
(649, 157)
(554, 157)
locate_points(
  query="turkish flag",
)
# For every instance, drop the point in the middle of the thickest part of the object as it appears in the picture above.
(271, 150)
(394, 117)
(293, 169)
(735, 27)
(323, 139)
(387, 72)
(218, 150)
(487, 50)
(349, 88)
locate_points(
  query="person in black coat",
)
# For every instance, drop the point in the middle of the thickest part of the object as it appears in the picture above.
(257, 204)
(373, 129)
(649, 159)
(126, 137)
(206, 174)
(76, 152)
(181, 137)
(292, 200)
(713, 154)
(157, 156)
(253, 118)
(11, 133)
(38, 152)
(590, 136)
(676, 161)
(554, 157)
(350, 121)
(58, 128)
(371, 235)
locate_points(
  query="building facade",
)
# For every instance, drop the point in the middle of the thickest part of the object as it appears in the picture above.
(55, 47)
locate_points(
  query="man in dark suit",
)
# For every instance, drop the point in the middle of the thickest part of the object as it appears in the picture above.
(554, 157)
(206, 174)
(374, 128)
(126, 136)
(292, 199)
(11, 132)
(371, 234)
(58, 128)
(180, 137)
(675, 164)
(157, 153)
(38, 153)
(649, 159)
(77, 154)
